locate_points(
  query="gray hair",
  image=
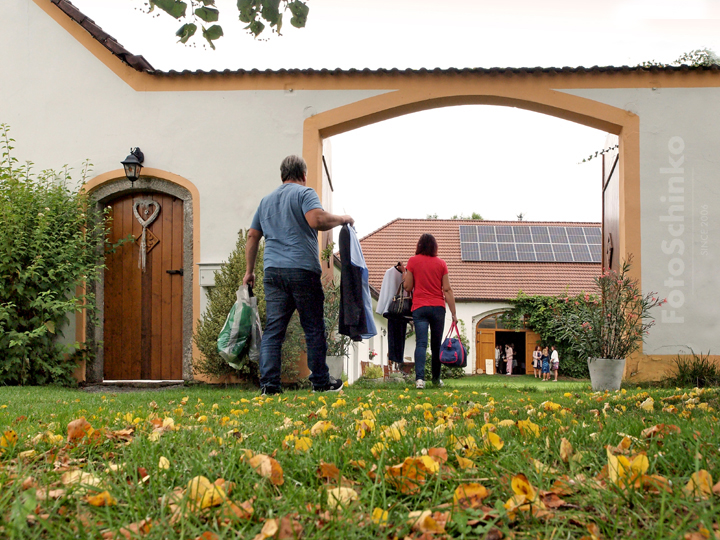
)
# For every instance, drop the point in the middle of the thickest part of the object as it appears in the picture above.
(293, 168)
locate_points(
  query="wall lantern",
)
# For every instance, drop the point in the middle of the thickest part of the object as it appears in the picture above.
(133, 164)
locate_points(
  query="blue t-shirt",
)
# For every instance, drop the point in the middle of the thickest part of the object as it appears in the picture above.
(290, 242)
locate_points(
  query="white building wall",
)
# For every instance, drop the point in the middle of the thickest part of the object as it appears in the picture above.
(680, 202)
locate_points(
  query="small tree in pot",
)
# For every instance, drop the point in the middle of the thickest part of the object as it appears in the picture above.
(609, 325)
(337, 344)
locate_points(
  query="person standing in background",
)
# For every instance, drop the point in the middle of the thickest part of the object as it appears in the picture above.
(426, 276)
(509, 354)
(554, 362)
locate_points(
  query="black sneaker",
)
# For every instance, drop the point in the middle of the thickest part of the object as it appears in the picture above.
(270, 390)
(335, 385)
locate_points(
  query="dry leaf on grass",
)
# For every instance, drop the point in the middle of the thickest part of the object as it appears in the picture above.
(411, 474)
(700, 485)
(101, 499)
(268, 467)
(244, 510)
(204, 493)
(659, 431)
(328, 471)
(470, 495)
(566, 450)
(77, 429)
(341, 496)
(131, 532)
(426, 521)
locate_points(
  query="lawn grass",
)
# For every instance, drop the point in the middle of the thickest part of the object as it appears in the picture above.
(218, 430)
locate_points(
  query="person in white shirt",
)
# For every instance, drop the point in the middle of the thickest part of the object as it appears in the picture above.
(555, 362)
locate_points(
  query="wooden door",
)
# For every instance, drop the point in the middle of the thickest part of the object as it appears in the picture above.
(611, 205)
(532, 340)
(484, 348)
(143, 309)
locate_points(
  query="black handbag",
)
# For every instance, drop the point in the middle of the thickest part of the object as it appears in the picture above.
(400, 305)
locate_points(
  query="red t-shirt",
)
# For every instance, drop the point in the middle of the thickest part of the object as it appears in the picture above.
(427, 274)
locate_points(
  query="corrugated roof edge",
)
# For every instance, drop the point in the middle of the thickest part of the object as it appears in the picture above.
(139, 63)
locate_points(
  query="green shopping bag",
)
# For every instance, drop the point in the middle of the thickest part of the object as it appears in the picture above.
(241, 330)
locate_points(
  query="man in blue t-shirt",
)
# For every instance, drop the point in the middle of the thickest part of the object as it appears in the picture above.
(289, 219)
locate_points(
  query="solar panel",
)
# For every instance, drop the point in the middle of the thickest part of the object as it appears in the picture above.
(468, 234)
(489, 252)
(535, 243)
(540, 235)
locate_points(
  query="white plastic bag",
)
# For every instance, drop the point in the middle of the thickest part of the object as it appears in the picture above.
(241, 334)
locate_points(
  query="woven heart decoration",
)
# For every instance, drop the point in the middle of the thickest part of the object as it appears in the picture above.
(147, 204)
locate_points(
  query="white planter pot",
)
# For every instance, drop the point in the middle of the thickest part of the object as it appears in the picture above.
(335, 365)
(606, 373)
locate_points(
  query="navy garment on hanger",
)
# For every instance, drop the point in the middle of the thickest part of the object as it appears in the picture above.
(356, 318)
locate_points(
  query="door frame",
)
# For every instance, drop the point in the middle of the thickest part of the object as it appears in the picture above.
(111, 186)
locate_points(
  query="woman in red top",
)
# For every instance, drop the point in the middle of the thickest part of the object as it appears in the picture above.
(427, 277)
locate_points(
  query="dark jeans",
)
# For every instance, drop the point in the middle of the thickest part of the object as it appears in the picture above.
(396, 332)
(288, 289)
(432, 317)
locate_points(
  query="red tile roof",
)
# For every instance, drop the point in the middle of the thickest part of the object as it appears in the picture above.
(474, 281)
(140, 64)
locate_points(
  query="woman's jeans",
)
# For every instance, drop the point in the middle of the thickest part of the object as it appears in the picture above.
(432, 317)
(288, 289)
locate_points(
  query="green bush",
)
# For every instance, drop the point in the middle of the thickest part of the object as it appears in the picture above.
(221, 297)
(539, 314)
(373, 372)
(49, 248)
(694, 370)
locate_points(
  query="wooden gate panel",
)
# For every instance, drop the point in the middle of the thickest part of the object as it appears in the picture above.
(484, 347)
(143, 311)
(532, 340)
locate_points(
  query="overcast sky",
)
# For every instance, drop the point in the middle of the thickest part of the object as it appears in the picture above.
(496, 161)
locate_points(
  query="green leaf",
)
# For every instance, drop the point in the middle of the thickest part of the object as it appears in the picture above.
(50, 325)
(207, 14)
(300, 11)
(212, 33)
(248, 10)
(256, 27)
(176, 8)
(186, 31)
(271, 11)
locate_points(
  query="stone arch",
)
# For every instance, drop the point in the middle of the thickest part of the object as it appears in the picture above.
(526, 92)
(114, 184)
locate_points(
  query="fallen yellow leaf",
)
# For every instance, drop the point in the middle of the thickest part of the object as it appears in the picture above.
(268, 467)
(470, 495)
(379, 516)
(101, 499)
(700, 485)
(566, 450)
(341, 496)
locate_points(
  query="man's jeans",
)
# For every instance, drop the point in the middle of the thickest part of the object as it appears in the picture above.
(432, 317)
(288, 289)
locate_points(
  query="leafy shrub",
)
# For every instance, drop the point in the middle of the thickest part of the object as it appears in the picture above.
(48, 250)
(373, 372)
(221, 297)
(695, 370)
(538, 313)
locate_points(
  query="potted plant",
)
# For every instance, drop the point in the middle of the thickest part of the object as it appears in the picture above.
(337, 344)
(609, 325)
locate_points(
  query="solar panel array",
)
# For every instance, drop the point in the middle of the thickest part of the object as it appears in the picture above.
(530, 243)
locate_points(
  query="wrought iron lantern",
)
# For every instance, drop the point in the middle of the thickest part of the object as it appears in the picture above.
(133, 164)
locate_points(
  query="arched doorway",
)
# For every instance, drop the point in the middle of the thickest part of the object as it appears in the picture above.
(145, 305)
(490, 332)
(542, 94)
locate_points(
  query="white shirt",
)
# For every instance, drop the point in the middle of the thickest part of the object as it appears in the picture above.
(389, 287)
(555, 357)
